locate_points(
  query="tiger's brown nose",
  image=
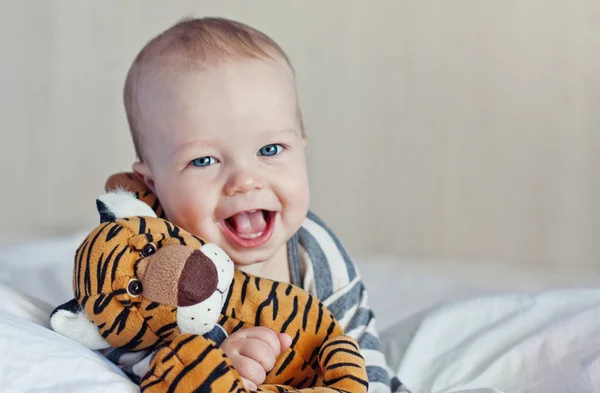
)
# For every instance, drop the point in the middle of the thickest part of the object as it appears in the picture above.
(198, 280)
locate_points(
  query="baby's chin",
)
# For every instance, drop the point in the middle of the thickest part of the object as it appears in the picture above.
(247, 258)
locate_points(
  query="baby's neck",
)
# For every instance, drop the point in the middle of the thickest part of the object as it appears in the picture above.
(276, 268)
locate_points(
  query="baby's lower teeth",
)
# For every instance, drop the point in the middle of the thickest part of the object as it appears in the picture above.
(251, 235)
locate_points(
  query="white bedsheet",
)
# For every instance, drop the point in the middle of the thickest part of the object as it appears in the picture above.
(521, 343)
(517, 343)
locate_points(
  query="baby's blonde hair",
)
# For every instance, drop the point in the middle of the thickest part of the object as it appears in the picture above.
(194, 43)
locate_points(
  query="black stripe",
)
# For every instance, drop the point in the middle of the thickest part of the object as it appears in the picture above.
(338, 365)
(99, 275)
(152, 306)
(330, 329)
(113, 231)
(179, 345)
(173, 231)
(286, 363)
(334, 351)
(265, 303)
(162, 239)
(245, 287)
(292, 315)
(237, 327)
(306, 311)
(102, 271)
(142, 228)
(158, 379)
(275, 307)
(289, 381)
(350, 376)
(116, 263)
(295, 340)
(336, 342)
(206, 385)
(79, 266)
(137, 339)
(234, 385)
(102, 302)
(202, 242)
(233, 313)
(87, 277)
(314, 353)
(301, 383)
(318, 326)
(166, 328)
(228, 298)
(257, 283)
(119, 323)
(288, 290)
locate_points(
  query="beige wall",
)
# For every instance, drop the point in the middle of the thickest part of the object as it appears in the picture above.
(467, 129)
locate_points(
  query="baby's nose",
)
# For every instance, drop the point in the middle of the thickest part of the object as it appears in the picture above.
(243, 181)
(198, 280)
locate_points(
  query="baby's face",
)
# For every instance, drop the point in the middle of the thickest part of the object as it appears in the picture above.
(224, 153)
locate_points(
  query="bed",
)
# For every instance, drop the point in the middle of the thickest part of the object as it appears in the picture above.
(446, 326)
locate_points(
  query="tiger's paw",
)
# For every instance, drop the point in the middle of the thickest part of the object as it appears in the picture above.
(188, 364)
(343, 366)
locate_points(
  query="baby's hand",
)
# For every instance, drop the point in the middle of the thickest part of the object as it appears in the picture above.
(253, 352)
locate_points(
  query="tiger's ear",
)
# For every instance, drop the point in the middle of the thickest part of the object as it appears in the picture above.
(120, 204)
(70, 320)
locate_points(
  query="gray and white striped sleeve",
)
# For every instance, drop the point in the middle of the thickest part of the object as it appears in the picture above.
(334, 279)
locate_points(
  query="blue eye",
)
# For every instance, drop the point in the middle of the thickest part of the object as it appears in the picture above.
(270, 150)
(203, 161)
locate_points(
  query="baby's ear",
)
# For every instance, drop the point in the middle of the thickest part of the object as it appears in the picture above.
(128, 181)
(121, 204)
(70, 320)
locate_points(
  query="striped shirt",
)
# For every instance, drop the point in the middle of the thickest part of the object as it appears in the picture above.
(320, 265)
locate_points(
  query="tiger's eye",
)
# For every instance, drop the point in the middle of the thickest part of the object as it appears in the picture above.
(148, 250)
(134, 288)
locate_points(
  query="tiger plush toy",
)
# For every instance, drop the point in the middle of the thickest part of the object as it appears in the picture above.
(142, 283)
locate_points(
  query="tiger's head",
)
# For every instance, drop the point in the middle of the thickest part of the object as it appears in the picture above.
(139, 280)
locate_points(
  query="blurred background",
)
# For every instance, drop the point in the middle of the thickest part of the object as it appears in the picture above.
(465, 130)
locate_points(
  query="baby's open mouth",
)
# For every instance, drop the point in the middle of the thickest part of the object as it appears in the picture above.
(250, 228)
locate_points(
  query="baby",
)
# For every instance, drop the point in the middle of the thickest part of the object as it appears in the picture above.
(213, 110)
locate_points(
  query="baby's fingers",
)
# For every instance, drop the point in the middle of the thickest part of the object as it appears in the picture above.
(249, 384)
(249, 369)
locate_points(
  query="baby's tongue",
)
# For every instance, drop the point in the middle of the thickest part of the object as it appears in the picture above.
(249, 222)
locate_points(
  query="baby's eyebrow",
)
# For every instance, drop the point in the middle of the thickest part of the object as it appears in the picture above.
(292, 131)
(189, 145)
